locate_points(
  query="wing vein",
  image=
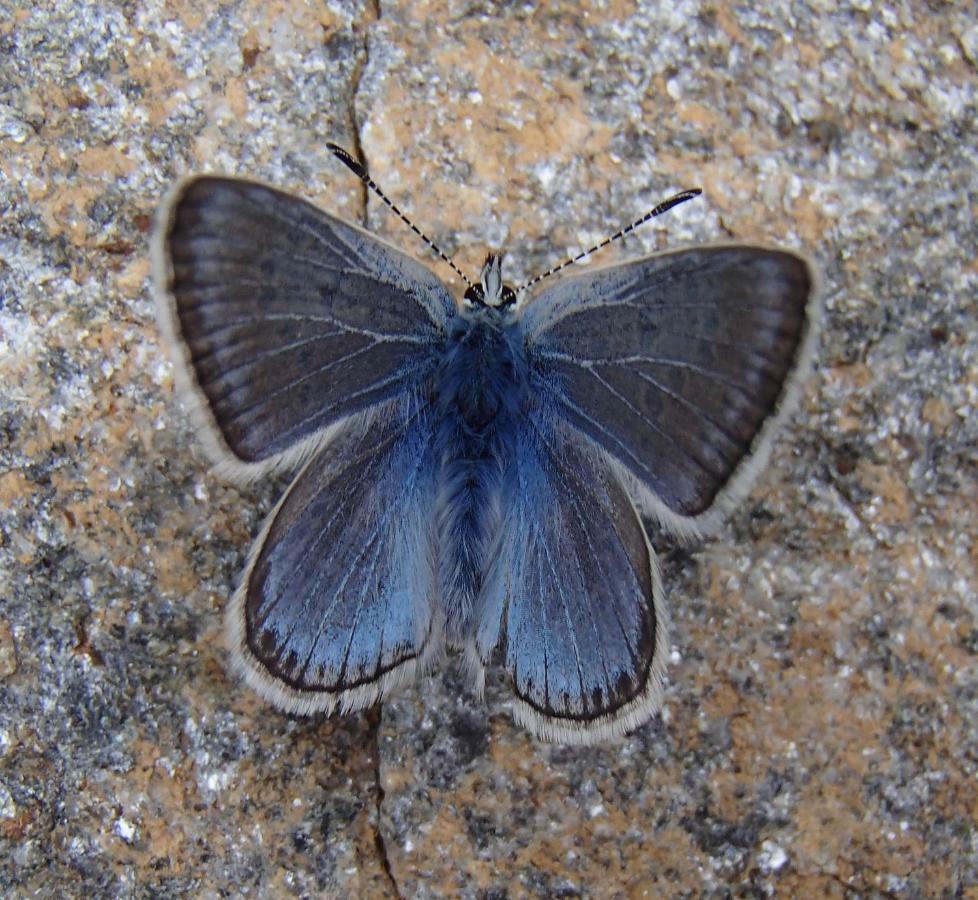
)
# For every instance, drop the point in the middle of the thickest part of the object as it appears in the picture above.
(335, 229)
(368, 571)
(567, 619)
(586, 364)
(363, 453)
(689, 405)
(399, 375)
(585, 488)
(321, 536)
(638, 283)
(270, 353)
(379, 336)
(643, 418)
(290, 385)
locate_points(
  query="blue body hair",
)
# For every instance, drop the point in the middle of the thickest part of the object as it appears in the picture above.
(480, 392)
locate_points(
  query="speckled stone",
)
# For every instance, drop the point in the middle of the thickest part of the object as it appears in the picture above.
(820, 729)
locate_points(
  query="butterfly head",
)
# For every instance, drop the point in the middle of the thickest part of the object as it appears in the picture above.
(490, 291)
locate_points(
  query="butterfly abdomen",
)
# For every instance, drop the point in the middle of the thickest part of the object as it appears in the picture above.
(480, 390)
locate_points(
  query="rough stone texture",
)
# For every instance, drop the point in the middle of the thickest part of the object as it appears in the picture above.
(819, 731)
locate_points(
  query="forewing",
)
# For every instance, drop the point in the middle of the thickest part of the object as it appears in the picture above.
(335, 607)
(679, 365)
(574, 600)
(285, 319)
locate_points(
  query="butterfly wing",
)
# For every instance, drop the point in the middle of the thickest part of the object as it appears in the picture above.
(285, 319)
(679, 366)
(574, 599)
(335, 607)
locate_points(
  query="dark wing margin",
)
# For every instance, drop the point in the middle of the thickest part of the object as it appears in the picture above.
(282, 320)
(574, 601)
(334, 610)
(680, 366)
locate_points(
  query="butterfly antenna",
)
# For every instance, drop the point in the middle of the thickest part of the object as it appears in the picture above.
(344, 157)
(664, 206)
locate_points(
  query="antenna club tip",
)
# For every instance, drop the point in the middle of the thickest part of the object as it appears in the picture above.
(345, 157)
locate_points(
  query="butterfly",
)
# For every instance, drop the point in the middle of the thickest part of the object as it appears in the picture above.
(473, 474)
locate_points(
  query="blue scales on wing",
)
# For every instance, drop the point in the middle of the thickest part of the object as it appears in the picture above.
(574, 598)
(337, 605)
(290, 318)
(673, 363)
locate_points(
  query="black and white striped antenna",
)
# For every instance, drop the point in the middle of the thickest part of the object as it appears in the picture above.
(354, 166)
(347, 159)
(658, 210)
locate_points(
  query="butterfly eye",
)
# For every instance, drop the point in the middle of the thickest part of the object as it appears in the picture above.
(475, 296)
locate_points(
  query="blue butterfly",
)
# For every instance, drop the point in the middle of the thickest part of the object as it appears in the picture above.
(471, 475)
